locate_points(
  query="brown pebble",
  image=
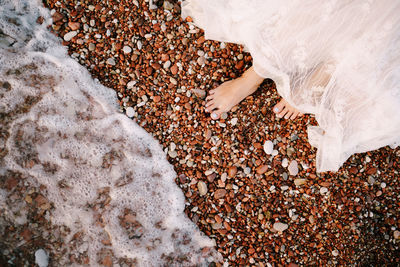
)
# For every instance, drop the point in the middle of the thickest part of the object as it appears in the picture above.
(149, 70)
(157, 98)
(174, 69)
(219, 193)
(232, 171)
(262, 169)
(74, 25)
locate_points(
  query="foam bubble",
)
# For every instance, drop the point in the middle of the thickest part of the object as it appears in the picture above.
(105, 177)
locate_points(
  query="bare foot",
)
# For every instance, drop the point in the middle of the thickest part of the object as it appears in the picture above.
(283, 109)
(229, 94)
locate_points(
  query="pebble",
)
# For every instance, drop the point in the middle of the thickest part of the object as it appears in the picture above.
(285, 162)
(201, 61)
(371, 180)
(280, 227)
(232, 171)
(383, 185)
(396, 234)
(335, 253)
(268, 147)
(172, 146)
(92, 47)
(224, 115)
(234, 121)
(68, 36)
(167, 64)
(323, 190)
(139, 45)
(127, 49)
(299, 182)
(293, 168)
(219, 193)
(41, 258)
(130, 112)
(202, 188)
(172, 154)
(111, 61)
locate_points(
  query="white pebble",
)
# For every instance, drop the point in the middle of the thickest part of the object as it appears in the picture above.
(68, 36)
(268, 147)
(111, 61)
(280, 227)
(41, 258)
(130, 112)
(293, 168)
(335, 253)
(234, 121)
(274, 152)
(323, 190)
(167, 64)
(172, 146)
(127, 49)
(383, 185)
(139, 45)
(285, 162)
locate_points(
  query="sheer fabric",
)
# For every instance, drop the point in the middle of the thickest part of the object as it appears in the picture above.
(339, 60)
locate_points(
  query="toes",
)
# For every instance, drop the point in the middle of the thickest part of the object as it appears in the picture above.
(278, 107)
(209, 97)
(210, 106)
(294, 115)
(282, 113)
(289, 114)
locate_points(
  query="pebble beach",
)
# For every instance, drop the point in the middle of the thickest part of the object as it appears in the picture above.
(249, 178)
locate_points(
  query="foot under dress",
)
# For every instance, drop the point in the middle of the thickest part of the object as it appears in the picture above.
(338, 60)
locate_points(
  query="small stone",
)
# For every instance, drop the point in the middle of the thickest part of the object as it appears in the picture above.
(335, 253)
(74, 25)
(111, 61)
(299, 182)
(127, 49)
(199, 93)
(396, 234)
(262, 169)
(202, 188)
(68, 36)
(247, 170)
(173, 81)
(41, 258)
(293, 168)
(268, 147)
(224, 115)
(234, 121)
(383, 185)
(167, 64)
(172, 154)
(201, 61)
(280, 227)
(174, 69)
(130, 112)
(285, 162)
(371, 180)
(219, 193)
(290, 151)
(208, 172)
(232, 171)
(172, 146)
(92, 47)
(139, 45)
(323, 190)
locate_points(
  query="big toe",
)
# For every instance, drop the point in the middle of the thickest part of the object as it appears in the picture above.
(216, 114)
(279, 107)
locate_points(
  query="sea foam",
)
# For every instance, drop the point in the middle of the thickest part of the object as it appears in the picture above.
(101, 176)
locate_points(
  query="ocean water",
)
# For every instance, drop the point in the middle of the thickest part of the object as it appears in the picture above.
(104, 176)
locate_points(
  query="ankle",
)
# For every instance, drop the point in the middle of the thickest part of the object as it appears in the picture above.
(252, 78)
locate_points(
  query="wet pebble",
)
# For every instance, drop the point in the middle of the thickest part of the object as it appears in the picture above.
(68, 36)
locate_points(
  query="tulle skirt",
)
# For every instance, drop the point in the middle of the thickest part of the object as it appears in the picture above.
(338, 60)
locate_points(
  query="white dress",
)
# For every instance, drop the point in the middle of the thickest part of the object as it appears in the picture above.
(338, 60)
